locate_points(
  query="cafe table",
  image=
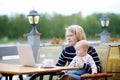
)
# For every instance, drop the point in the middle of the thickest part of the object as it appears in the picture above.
(9, 70)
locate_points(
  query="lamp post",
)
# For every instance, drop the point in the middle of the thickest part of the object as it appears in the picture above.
(33, 37)
(105, 35)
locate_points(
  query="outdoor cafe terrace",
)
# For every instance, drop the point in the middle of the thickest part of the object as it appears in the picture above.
(47, 50)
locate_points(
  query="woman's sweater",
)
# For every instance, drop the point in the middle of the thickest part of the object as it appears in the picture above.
(68, 54)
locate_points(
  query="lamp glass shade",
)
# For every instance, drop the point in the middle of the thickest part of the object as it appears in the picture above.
(30, 18)
(105, 23)
(36, 19)
(33, 19)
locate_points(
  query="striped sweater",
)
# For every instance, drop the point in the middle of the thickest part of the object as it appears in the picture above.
(68, 54)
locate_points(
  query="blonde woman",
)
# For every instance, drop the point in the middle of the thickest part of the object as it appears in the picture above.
(75, 33)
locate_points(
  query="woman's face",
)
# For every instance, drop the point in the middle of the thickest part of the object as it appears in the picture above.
(71, 38)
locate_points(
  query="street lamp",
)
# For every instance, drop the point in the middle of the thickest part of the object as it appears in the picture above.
(104, 21)
(104, 36)
(33, 18)
(33, 37)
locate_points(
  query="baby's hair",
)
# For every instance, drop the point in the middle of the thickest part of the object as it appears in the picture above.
(83, 43)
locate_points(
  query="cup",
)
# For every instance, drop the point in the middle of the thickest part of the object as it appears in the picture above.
(48, 63)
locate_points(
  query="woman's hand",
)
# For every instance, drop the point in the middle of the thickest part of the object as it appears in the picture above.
(79, 63)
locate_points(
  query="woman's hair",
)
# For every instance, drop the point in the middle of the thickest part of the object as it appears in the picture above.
(77, 30)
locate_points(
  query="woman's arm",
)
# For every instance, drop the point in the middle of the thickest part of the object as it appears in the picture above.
(92, 64)
(93, 53)
(61, 60)
(66, 55)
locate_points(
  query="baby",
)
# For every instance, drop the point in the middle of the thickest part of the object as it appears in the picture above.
(81, 48)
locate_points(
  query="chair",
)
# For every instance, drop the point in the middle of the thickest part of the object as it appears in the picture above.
(50, 51)
(103, 53)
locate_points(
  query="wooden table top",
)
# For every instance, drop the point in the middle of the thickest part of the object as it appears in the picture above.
(15, 69)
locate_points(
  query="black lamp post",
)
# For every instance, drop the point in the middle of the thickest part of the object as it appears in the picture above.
(104, 36)
(33, 18)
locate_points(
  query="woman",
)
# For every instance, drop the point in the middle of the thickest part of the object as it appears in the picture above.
(75, 33)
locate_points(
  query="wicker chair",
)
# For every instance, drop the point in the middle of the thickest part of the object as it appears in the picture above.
(50, 51)
(103, 53)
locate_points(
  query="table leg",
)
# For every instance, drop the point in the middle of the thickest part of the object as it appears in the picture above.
(6, 77)
(41, 77)
(34, 76)
(20, 77)
(51, 77)
(10, 77)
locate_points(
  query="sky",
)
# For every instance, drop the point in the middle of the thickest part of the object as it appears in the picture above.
(64, 7)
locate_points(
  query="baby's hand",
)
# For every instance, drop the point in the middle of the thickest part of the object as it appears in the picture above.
(65, 71)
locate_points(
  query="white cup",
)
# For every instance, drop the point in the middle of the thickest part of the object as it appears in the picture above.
(48, 62)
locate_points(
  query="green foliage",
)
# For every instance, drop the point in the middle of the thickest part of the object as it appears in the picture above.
(50, 26)
(114, 26)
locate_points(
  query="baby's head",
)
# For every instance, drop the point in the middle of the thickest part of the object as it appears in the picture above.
(81, 48)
